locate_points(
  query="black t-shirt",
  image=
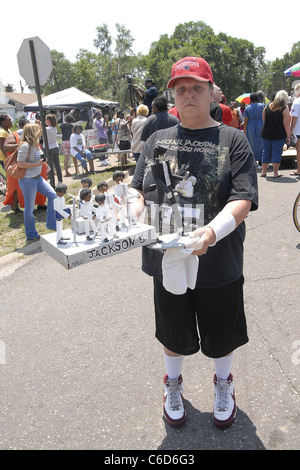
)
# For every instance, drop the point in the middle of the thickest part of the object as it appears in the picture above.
(161, 120)
(151, 93)
(216, 112)
(222, 167)
(66, 130)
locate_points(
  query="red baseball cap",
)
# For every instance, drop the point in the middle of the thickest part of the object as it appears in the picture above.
(191, 67)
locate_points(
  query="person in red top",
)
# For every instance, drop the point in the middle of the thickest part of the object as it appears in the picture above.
(14, 195)
(174, 111)
(235, 116)
(226, 112)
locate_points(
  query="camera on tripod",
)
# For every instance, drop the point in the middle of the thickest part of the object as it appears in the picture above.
(128, 77)
(130, 90)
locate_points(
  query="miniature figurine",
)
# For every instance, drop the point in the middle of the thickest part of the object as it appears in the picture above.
(165, 187)
(186, 186)
(73, 217)
(61, 212)
(87, 212)
(121, 192)
(86, 182)
(103, 214)
(110, 202)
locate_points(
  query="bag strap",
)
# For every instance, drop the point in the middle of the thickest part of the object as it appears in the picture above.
(27, 154)
(16, 154)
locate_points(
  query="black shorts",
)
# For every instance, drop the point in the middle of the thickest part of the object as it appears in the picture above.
(216, 315)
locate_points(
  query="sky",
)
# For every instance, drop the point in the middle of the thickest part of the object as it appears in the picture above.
(68, 26)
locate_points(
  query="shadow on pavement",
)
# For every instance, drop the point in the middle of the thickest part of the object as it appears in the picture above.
(199, 433)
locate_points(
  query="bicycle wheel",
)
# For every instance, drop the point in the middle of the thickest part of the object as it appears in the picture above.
(2, 184)
(296, 213)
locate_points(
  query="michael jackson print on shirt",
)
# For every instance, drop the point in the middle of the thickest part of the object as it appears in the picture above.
(215, 166)
(197, 167)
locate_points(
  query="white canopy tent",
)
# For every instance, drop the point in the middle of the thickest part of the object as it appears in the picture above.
(71, 98)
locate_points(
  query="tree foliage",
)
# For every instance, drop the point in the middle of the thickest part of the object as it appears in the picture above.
(238, 66)
(234, 62)
(272, 76)
(62, 75)
(115, 64)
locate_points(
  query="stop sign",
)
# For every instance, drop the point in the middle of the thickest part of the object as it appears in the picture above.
(43, 61)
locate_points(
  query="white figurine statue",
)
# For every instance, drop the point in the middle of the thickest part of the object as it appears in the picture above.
(87, 212)
(121, 192)
(86, 182)
(61, 212)
(103, 214)
(110, 202)
(186, 186)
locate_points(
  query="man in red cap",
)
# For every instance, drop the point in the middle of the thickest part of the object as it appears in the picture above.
(206, 310)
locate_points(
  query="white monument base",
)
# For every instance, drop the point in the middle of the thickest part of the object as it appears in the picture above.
(82, 251)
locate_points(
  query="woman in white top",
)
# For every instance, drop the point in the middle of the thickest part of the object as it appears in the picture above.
(53, 157)
(29, 157)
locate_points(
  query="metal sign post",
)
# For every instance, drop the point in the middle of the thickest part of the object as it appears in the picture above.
(35, 74)
(39, 96)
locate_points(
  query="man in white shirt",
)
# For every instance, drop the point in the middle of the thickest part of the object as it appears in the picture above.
(79, 150)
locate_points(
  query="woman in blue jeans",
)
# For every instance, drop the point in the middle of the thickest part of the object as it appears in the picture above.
(275, 132)
(29, 157)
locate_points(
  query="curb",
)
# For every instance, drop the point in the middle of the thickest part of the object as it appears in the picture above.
(11, 262)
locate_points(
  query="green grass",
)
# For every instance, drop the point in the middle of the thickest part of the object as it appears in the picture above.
(12, 232)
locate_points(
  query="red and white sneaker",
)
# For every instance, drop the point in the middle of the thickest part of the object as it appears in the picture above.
(225, 405)
(173, 404)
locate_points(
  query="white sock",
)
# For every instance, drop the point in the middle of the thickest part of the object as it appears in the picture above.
(223, 366)
(173, 365)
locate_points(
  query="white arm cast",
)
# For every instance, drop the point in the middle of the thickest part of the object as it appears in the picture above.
(223, 224)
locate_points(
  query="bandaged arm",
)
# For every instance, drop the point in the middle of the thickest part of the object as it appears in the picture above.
(228, 219)
(224, 223)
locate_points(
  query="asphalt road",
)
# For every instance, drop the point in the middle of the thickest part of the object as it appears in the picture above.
(80, 367)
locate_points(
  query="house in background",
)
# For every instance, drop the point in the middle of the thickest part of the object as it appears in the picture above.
(13, 103)
(8, 109)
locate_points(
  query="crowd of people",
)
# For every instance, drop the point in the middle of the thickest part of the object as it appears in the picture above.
(272, 128)
(269, 129)
(216, 148)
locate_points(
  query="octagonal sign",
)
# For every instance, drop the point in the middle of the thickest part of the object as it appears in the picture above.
(43, 61)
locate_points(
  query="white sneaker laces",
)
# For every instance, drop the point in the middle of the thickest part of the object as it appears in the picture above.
(222, 394)
(174, 393)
